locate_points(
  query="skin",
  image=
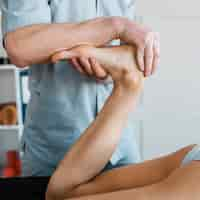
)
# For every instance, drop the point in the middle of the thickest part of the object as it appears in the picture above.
(78, 175)
(81, 162)
(112, 59)
(182, 184)
(23, 49)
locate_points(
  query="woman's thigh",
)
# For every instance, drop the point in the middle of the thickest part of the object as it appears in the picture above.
(182, 184)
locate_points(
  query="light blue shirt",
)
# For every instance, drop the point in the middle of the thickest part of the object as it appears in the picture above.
(63, 103)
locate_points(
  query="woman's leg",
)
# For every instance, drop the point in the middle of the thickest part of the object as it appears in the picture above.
(181, 184)
(151, 173)
(133, 176)
(89, 155)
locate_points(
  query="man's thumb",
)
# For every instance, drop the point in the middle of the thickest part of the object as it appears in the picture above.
(63, 55)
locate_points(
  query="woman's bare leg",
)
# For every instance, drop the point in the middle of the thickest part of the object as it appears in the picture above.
(182, 184)
(153, 173)
(133, 176)
(89, 155)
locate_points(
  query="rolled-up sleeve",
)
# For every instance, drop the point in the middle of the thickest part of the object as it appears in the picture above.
(20, 13)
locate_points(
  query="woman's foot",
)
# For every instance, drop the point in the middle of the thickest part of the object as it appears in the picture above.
(118, 61)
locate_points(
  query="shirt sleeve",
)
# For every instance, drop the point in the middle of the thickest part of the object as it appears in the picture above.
(20, 13)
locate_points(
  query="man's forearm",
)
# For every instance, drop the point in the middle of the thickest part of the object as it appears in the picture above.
(36, 43)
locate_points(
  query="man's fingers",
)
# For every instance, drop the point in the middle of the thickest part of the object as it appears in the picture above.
(99, 72)
(86, 65)
(77, 65)
(58, 56)
(148, 57)
(63, 55)
(140, 58)
(156, 59)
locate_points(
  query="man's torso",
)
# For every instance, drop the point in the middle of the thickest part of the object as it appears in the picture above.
(63, 102)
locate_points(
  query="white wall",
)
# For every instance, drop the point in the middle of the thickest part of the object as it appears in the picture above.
(171, 104)
(168, 7)
(2, 51)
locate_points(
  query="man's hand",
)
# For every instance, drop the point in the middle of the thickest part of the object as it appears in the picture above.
(147, 43)
(118, 62)
(89, 67)
(143, 38)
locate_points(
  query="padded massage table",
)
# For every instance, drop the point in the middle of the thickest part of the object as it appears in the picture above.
(23, 188)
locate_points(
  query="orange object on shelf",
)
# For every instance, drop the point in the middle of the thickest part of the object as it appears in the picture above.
(12, 156)
(13, 164)
(18, 168)
(9, 172)
(8, 114)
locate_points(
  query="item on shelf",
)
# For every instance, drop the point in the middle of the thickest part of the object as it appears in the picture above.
(8, 172)
(13, 165)
(24, 79)
(4, 61)
(8, 114)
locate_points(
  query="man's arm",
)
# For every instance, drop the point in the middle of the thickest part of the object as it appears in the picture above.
(36, 43)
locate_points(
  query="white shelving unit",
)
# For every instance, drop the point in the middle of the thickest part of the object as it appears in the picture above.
(10, 91)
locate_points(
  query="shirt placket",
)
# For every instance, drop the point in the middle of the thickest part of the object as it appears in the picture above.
(97, 7)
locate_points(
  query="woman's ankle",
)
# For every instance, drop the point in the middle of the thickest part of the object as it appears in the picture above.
(130, 82)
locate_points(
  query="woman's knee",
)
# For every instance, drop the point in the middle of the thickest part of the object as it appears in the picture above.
(192, 155)
(175, 160)
(179, 155)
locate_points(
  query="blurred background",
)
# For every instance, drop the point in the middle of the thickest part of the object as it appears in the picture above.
(171, 104)
(168, 117)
